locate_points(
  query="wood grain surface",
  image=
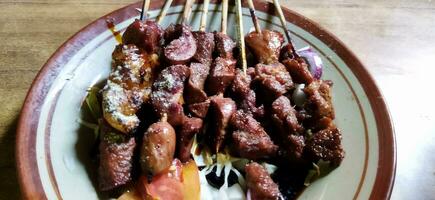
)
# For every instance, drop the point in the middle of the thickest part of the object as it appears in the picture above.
(395, 39)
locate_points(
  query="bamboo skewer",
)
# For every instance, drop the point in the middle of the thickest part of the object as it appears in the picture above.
(284, 26)
(241, 35)
(224, 16)
(164, 11)
(145, 7)
(187, 10)
(203, 24)
(254, 16)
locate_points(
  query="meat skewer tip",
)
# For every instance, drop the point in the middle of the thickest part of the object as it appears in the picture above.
(164, 11)
(145, 7)
(284, 26)
(254, 16)
(187, 11)
(224, 16)
(241, 35)
(204, 15)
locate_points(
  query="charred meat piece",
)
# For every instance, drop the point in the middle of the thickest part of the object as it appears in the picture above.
(298, 70)
(285, 117)
(146, 35)
(273, 79)
(319, 102)
(116, 158)
(250, 139)
(245, 95)
(265, 46)
(205, 47)
(287, 52)
(128, 86)
(199, 109)
(158, 148)
(167, 93)
(326, 145)
(194, 92)
(187, 131)
(224, 45)
(221, 75)
(221, 110)
(260, 184)
(182, 46)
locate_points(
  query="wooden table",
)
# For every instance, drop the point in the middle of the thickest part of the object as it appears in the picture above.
(395, 39)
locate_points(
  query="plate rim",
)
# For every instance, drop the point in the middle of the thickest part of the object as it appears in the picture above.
(30, 184)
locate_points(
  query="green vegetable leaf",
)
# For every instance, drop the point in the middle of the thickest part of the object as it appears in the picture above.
(93, 103)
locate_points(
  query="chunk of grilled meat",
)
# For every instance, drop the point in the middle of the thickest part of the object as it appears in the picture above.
(221, 75)
(274, 80)
(128, 86)
(241, 88)
(199, 110)
(167, 92)
(326, 145)
(224, 45)
(260, 184)
(249, 139)
(265, 46)
(298, 70)
(158, 148)
(205, 47)
(221, 110)
(194, 92)
(146, 35)
(319, 100)
(189, 128)
(116, 158)
(181, 45)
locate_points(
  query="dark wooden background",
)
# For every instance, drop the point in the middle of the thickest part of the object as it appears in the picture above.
(395, 39)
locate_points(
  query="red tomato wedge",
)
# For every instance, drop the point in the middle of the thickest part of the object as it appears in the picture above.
(164, 186)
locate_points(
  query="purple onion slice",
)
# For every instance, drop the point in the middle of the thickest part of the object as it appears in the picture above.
(313, 60)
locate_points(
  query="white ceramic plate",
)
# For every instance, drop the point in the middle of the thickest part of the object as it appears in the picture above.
(53, 154)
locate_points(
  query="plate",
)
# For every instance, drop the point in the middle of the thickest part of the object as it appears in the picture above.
(53, 151)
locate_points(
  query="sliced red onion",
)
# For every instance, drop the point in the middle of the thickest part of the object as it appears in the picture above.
(248, 195)
(298, 95)
(313, 60)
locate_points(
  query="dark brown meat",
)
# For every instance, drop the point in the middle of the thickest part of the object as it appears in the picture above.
(221, 110)
(147, 35)
(194, 92)
(266, 46)
(205, 47)
(221, 75)
(260, 184)
(182, 46)
(287, 52)
(319, 102)
(116, 158)
(187, 131)
(158, 148)
(224, 45)
(167, 92)
(298, 70)
(250, 140)
(246, 97)
(285, 117)
(274, 80)
(199, 109)
(326, 145)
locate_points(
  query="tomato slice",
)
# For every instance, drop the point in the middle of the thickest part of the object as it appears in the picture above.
(164, 186)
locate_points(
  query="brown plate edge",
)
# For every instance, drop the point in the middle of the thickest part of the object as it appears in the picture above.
(26, 170)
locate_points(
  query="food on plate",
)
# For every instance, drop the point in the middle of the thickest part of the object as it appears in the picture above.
(184, 118)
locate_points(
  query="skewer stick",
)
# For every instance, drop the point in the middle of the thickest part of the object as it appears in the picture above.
(254, 16)
(224, 16)
(187, 10)
(164, 11)
(145, 7)
(204, 15)
(241, 35)
(284, 26)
